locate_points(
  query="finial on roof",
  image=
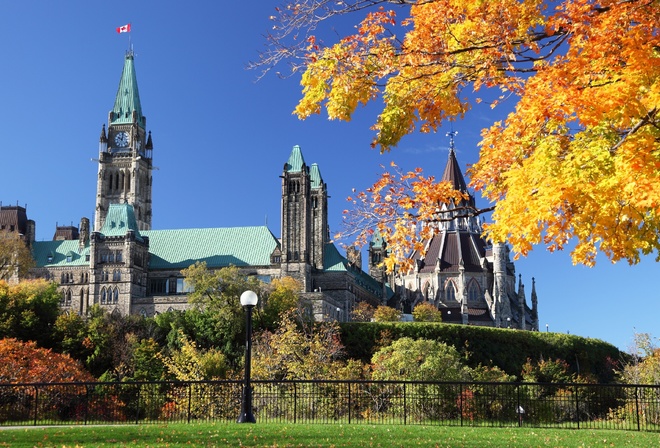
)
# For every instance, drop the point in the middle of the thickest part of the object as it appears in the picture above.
(103, 138)
(451, 134)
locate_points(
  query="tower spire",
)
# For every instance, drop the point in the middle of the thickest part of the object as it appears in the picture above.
(127, 108)
(125, 154)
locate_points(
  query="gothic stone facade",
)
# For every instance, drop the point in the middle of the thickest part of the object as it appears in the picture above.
(126, 267)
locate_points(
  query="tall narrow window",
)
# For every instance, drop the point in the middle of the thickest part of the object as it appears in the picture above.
(450, 292)
(474, 293)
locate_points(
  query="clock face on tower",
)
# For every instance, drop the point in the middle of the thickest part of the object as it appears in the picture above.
(121, 139)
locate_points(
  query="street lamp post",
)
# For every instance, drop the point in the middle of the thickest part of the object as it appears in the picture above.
(249, 300)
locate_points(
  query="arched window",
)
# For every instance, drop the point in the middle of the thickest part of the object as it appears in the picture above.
(116, 275)
(115, 296)
(474, 292)
(450, 292)
(67, 300)
(104, 297)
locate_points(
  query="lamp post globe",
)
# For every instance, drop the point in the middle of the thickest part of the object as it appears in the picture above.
(249, 300)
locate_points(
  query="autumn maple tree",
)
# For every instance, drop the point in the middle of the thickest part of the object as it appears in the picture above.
(577, 160)
(15, 257)
(24, 362)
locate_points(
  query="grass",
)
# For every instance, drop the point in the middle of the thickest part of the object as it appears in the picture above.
(322, 435)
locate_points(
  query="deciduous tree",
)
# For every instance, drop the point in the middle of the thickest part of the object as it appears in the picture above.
(216, 297)
(577, 160)
(280, 297)
(362, 312)
(28, 311)
(300, 349)
(191, 363)
(15, 257)
(24, 362)
(426, 312)
(387, 314)
(645, 367)
(418, 359)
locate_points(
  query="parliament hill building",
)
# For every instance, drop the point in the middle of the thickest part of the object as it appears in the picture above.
(121, 264)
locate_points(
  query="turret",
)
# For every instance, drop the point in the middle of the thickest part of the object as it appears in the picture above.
(535, 303)
(103, 140)
(521, 304)
(83, 234)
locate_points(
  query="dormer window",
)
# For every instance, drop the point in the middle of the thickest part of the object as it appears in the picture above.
(69, 258)
(49, 258)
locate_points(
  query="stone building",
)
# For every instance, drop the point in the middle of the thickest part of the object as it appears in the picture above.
(123, 265)
(471, 281)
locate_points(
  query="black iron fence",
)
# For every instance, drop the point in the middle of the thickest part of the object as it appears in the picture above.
(629, 407)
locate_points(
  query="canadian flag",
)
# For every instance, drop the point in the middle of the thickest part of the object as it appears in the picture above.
(124, 29)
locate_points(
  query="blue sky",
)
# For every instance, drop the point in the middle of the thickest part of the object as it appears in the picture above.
(221, 138)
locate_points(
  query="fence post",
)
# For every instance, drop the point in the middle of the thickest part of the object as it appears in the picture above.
(637, 407)
(189, 401)
(295, 402)
(577, 406)
(36, 404)
(518, 405)
(349, 403)
(137, 405)
(405, 407)
(460, 401)
(86, 403)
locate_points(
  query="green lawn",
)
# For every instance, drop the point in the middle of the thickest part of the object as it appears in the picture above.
(320, 435)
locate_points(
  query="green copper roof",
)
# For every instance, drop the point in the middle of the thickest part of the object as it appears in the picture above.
(177, 249)
(119, 220)
(218, 247)
(315, 176)
(59, 253)
(377, 240)
(128, 97)
(333, 261)
(295, 162)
